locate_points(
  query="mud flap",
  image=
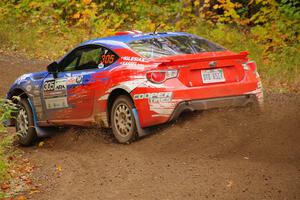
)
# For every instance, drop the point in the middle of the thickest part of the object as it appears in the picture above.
(41, 132)
(141, 132)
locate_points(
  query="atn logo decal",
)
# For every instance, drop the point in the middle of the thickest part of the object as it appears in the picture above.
(60, 84)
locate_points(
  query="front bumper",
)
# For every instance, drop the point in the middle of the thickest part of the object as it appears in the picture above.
(205, 104)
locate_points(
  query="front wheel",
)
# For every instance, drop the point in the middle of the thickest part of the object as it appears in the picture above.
(25, 124)
(122, 120)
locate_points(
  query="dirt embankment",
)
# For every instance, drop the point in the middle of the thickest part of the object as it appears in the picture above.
(219, 154)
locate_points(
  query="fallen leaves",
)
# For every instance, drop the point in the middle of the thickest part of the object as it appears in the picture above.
(4, 186)
(229, 184)
(58, 168)
(41, 144)
(21, 198)
(33, 191)
(20, 180)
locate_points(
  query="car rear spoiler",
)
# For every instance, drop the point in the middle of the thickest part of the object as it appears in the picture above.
(241, 55)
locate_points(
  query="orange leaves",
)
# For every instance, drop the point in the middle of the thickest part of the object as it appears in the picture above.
(20, 179)
(87, 2)
(76, 16)
(5, 186)
(21, 198)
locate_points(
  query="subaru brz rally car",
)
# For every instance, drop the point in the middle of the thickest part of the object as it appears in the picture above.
(131, 81)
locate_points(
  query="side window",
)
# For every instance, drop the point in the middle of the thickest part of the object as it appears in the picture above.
(92, 57)
(89, 59)
(72, 65)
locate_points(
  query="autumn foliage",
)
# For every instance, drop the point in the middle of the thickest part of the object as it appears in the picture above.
(269, 27)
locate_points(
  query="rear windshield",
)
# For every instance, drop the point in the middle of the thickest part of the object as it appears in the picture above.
(172, 45)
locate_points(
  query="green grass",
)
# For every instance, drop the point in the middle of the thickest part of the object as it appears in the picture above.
(5, 146)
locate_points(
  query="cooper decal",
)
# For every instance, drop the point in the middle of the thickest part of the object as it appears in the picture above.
(159, 97)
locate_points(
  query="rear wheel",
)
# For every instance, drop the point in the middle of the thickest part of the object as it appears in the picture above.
(122, 120)
(25, 124)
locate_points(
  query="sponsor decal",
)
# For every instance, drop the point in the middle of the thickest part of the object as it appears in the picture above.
(129, 63)
(54, 103)
(55, 93)
(133, 59)
(79, 79)
(60, 84)
(159, 97)
(101, 65)
(55, 88)
(28, 88)
(75, 80)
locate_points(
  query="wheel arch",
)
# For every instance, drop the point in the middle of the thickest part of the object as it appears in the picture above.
(17, 92)
(112, 97)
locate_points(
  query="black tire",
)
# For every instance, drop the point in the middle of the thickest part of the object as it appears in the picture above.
(122, 120)
(25, 125)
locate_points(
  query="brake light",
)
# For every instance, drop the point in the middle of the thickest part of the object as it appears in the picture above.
(160, 76)
(250, 65)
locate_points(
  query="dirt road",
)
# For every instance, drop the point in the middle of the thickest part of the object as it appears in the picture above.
(227, 154)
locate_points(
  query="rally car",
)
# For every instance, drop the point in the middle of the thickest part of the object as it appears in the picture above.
(131, 81)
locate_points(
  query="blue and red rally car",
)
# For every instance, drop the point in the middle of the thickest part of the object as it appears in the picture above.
(131, 81)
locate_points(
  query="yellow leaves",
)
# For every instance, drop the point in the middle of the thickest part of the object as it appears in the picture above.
(58, 168)
(76, 16)
(41, 144)
(216, 6)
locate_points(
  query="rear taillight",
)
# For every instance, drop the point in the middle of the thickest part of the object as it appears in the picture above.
(250, 65)
(160, 76)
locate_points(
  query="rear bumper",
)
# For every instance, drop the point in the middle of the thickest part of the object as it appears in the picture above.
(205, 104)
(158, 105)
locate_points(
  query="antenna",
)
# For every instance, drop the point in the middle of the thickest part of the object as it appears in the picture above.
(156, 28)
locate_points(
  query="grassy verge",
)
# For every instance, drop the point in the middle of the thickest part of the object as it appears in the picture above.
(6, 151)
(279, 68)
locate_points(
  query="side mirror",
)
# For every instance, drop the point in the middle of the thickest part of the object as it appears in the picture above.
(53, 68)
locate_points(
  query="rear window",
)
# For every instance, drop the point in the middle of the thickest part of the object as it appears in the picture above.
(172, 45)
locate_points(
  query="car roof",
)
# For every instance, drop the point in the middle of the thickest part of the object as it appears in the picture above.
(120, 41)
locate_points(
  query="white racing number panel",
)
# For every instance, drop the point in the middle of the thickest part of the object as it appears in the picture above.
(212, 76)
(55, 93)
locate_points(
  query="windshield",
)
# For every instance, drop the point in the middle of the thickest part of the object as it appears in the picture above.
(173, 45)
